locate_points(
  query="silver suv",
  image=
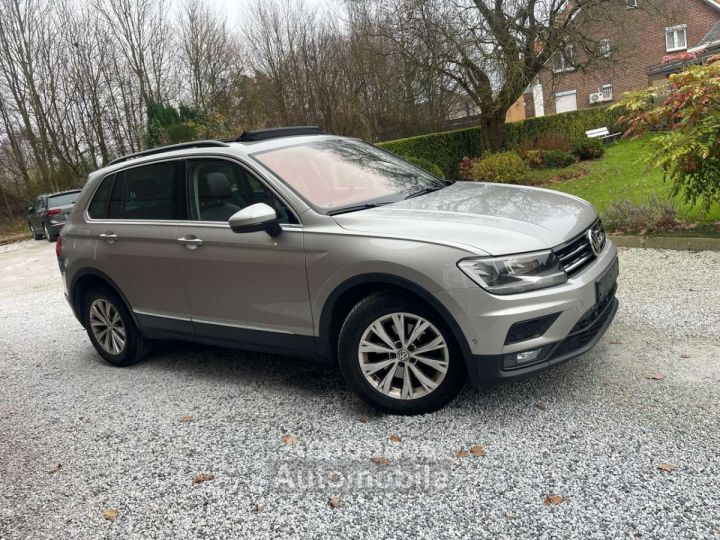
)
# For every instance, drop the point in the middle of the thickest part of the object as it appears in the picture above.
(295, 242)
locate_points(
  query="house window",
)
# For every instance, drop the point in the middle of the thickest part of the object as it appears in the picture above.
(564, 60)
(607, 92)
(604, 47)
(630, 4)
(676, 37)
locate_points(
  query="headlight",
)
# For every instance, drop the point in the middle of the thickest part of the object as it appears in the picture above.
(515, 273)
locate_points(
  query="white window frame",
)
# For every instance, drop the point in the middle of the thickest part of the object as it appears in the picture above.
(604, 47)
(675, 32)
(566, 93)
(607, 91)
(568, 59)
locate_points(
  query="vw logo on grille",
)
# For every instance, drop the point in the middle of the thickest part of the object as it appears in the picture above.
(596, 238)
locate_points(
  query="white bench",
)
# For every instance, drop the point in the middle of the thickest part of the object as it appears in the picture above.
(602, 133)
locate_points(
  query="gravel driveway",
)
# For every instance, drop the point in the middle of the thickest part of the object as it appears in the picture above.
(91, 451)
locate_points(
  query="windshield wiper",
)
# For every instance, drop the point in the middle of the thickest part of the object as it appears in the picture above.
(355, 208)
(428, 190)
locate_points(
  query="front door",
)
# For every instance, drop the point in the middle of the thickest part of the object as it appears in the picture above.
(247, 288)
(133, 218)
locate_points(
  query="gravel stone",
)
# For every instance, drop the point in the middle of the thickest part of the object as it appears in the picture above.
(79, 437)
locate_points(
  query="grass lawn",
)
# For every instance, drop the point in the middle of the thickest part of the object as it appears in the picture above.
(622, 174)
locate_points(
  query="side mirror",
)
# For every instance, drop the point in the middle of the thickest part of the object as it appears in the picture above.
(30, 209)
(257, 217)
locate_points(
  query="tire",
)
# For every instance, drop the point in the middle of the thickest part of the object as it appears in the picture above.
(48, 235)
(35, 235)
(101, 305)
(428, 388)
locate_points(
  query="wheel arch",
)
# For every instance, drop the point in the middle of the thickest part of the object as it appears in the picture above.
(346, 295)
(83, 281)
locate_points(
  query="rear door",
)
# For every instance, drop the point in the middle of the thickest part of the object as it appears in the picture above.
(248, 287)
(133, 217)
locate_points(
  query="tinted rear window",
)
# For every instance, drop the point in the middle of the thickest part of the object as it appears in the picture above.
(62, 200)
(98, 206)
(149, 192)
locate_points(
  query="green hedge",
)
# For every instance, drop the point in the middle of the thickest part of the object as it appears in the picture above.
(447, 148)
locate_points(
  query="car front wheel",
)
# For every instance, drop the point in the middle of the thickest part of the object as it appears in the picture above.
(399, 356)
(112, 330)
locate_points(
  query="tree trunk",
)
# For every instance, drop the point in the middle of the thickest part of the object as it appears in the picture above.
(494, 131)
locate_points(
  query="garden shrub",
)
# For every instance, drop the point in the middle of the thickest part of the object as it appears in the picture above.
(557, 159)
(503, 167)
(653, 214)
(548, 141)
(534, 158)
(447, 149)
(426, 165)
(585, 148)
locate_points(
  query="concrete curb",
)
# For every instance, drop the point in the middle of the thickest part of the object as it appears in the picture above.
(681, 243)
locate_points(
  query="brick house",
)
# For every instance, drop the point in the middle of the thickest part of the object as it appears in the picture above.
(645, 39)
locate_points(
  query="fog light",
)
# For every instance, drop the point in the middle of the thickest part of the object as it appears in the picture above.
(516, 360)
(527, 356)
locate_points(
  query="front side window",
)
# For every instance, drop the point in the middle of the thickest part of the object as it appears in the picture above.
(676, 38)
(149, 192)
(218, 188)
(332, 174)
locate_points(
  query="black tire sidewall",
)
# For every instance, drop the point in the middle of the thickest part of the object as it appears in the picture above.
(364, 314)
(132, 353)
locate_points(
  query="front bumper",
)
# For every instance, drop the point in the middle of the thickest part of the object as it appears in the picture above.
(577, 320)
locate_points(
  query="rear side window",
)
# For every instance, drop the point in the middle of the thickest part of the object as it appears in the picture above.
(99, 204)
(149, 192)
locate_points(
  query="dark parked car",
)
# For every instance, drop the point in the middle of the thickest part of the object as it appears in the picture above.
(48, 213)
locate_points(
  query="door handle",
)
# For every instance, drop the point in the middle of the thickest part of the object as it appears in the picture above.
(190, 242)
(109, 237)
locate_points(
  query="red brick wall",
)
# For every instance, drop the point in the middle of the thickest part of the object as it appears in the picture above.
(640, 39)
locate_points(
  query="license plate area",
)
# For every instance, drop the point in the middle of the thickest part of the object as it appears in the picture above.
(606, 282)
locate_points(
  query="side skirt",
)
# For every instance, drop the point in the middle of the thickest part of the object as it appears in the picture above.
(158, 327)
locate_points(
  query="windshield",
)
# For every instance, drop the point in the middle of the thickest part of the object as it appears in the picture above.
(333, 174)
(63, 200)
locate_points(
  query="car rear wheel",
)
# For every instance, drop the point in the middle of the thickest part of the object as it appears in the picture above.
(112, 330)
(50, 236)
(399, 356)
(35, 235)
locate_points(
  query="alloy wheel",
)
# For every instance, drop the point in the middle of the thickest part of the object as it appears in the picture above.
(107, 326)
(403, 355)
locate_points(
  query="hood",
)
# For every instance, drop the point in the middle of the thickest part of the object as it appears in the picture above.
(497, 219)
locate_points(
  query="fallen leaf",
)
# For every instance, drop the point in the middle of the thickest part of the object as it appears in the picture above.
(200, 478)
(186, 419)
(333, 476)
(289, 439)
(615, 342)
(477, 451)
(55, 469)
(380, 460)
(667, 467)
(363, 419)
(553, 499)
(334, 502)
(395, 438)
(540, 405)
(684, 355)
(655, 376)
(258, 508)
(110, 514)
(461, 454)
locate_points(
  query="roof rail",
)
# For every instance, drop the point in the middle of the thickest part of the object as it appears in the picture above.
(169, 148)
(274, 133)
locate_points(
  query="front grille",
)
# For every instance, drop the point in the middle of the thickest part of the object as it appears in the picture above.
(578, 253)
(587, 328)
